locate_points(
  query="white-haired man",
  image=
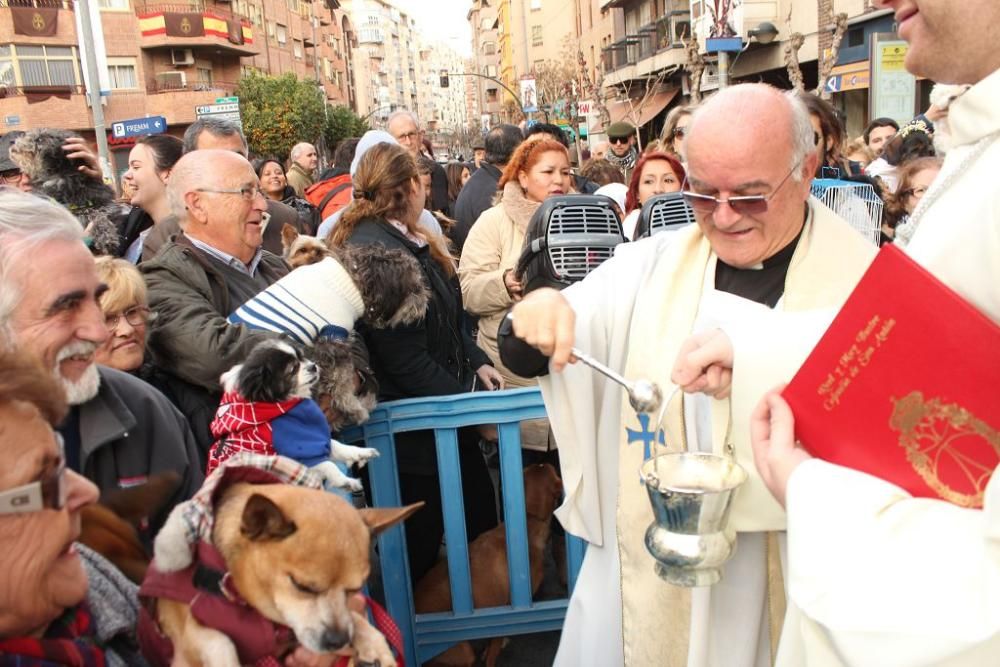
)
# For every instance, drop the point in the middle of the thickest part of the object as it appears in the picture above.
(761, 242)
(404, 126)
(208, 271)
(119, 430)
(303, 161)
(878, 577)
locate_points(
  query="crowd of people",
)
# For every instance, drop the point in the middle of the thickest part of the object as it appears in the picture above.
(115, 329)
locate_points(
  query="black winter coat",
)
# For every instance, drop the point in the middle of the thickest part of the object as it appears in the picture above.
(476, 196)
(434, 357)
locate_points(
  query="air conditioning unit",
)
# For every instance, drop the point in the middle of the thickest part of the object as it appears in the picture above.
(181, 57)
(171, 80)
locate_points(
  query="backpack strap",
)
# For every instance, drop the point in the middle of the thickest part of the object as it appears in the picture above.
(331, 194)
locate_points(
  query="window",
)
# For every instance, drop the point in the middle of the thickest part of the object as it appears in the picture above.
(536, 5)
(489, 48)
(536, 35)
(490, 70)
(293, 5)
(204, 78)
(297, 48)
(46, 65)
(121, 73)
(113, 4)
(282, 33)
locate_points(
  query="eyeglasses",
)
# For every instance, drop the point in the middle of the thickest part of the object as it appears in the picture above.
(137, 316)
(744, 205)
(10, 176)
(249, 193)
(408, 136)
(49, 492)
(617, 140)
(916, 193)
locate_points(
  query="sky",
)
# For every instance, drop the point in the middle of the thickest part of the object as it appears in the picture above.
(442, 20)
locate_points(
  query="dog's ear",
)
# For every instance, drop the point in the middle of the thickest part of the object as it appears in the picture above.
(288, 236)
(380, 518)
(263, 520)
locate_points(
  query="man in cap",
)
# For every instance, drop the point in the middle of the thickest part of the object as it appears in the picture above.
(478, 151)
(622, 151)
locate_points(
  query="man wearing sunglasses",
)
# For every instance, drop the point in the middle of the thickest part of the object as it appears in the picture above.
(622, 151)
(760, 243)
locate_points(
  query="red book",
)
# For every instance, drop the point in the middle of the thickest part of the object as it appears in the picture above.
(903, 385)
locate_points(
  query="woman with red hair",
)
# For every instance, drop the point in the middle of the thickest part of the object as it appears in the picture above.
(654, 174)
(538, 169)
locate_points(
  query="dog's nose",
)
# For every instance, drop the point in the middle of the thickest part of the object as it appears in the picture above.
(311, 367)
(334, 639)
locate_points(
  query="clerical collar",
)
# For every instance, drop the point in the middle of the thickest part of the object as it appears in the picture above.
(764, 283)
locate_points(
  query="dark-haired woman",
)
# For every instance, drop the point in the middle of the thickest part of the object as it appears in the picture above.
(434, 357)
(149, 165)
(274, 184)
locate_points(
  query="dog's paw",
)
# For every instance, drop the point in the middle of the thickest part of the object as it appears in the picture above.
(351, 454)
(370, 647)
(334, 477)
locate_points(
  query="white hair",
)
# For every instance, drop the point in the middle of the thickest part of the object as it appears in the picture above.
(401, 114)
(803, 135)
(27, 221)
(298, 149)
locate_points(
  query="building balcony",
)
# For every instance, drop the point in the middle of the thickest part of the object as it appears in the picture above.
(177, 101)
(194, 26)
(650, 49)
(33, 26)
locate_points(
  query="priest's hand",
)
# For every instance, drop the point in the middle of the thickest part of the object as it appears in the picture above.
(545, 320)
(775, 452)
(705, 364)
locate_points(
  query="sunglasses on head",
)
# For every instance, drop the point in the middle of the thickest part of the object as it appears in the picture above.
(47, 492)
(743, 205)
(618, 140)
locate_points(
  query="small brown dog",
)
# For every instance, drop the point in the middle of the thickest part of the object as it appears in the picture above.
(111, 527)
(292, 559)
(299, 249)
(488, 560)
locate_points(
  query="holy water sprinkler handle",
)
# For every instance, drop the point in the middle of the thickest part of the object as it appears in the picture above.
(601, 368)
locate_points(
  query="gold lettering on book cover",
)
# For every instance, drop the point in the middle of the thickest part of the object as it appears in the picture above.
(945, 443)
(854, 360)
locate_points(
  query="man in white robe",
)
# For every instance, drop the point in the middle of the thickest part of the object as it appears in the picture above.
(776, 248)
(879, 577)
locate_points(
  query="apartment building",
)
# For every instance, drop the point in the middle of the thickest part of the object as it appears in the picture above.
(162, 59)
(648, 45)
(445, 110)
(484, 19)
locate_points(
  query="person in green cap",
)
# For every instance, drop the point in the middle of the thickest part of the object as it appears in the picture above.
(621, 150)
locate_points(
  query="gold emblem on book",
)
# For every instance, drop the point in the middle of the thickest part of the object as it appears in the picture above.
(938, 438)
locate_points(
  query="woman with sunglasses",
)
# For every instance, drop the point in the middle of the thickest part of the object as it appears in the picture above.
(674, 129)
(62, 603)
(655, 174)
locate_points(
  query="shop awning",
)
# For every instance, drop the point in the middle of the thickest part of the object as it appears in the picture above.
(638, 112)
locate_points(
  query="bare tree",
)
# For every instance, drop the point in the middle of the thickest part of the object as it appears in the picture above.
(695, 66)
(828, 60)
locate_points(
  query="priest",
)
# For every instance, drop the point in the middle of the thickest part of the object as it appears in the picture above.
(879, 577)
(761, 243)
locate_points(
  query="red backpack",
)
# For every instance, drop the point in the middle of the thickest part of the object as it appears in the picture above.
(331, 195)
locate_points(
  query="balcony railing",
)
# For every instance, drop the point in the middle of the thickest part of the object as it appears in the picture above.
(45, 91)
(667, 32)
(143, 7)
(226, 87)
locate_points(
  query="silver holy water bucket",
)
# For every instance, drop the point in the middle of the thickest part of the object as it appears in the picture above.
(691, 494)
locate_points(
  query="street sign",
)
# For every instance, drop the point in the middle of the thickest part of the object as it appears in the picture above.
(834, 84)
(225, 111)
(12, 120)
(227, 100)
(138, 127)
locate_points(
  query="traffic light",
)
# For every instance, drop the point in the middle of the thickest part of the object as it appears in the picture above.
(444, 78)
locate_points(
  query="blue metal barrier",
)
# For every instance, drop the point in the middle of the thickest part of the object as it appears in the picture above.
(427, 635)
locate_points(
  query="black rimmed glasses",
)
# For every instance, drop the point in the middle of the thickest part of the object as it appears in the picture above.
(743, 205)
(47, 492)
(248, 193)
(137, 316)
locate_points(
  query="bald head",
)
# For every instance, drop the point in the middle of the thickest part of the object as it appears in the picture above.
(748, 118)
(212, 169)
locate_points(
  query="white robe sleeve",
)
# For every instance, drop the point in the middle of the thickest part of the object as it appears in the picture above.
(892, 579)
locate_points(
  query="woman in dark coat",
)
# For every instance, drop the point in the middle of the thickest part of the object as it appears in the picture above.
(434, 357)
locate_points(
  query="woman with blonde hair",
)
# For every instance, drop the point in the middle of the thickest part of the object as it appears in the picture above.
(674, 129)
(433, 357)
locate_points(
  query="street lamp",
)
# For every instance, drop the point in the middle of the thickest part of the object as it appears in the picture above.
(765, 33)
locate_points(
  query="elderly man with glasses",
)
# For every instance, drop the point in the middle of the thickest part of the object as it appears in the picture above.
(761, 243)
(622, 151)
(208, 271)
